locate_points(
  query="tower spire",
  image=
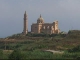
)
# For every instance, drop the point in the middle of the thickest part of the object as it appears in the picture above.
(40, 15)
(25, 30)
(25, 12)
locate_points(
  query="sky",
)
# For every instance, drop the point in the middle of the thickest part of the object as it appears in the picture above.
(67, 12)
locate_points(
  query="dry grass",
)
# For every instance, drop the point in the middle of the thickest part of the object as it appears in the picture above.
(7, 51)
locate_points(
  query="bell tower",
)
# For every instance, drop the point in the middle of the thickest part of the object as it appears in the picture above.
(25, 29)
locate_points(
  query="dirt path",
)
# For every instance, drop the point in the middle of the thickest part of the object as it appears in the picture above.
(55, 51)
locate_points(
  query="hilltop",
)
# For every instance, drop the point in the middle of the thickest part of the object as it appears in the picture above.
(46, 41)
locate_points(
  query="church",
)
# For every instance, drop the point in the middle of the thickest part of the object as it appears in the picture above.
(40, 26)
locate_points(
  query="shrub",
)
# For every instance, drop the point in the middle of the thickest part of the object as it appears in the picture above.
(75, 49)
(40, 55)
(1, 54)
(17, 55)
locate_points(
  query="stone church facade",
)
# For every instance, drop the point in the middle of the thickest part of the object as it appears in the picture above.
(41, 26)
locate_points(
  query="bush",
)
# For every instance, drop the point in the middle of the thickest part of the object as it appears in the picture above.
(1, 54)
(78, 58)
(17, 55)
(70, 55)
(75, 49)
(36, 54)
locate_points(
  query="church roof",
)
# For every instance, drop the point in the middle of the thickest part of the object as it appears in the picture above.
(40, 18)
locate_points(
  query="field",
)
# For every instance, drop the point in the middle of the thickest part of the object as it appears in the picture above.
(35, 46)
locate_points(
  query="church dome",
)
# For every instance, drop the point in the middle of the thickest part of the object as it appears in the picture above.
(40, 20)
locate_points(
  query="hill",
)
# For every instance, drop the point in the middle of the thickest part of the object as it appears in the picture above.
(42, 42)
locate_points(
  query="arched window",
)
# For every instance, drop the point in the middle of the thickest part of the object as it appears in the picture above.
(44, 27)
(48, 27)
(51, 27)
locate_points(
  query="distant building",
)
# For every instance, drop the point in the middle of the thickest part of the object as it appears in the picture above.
(41, 26)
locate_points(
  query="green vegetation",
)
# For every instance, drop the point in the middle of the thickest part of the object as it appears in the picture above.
(1, 54)
(45, 35)
(33, 46)
(16, 55)
(75, 49)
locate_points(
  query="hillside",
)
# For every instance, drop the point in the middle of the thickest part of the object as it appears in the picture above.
(60, 42)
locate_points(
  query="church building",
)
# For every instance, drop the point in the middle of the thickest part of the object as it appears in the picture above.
(41, 26)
